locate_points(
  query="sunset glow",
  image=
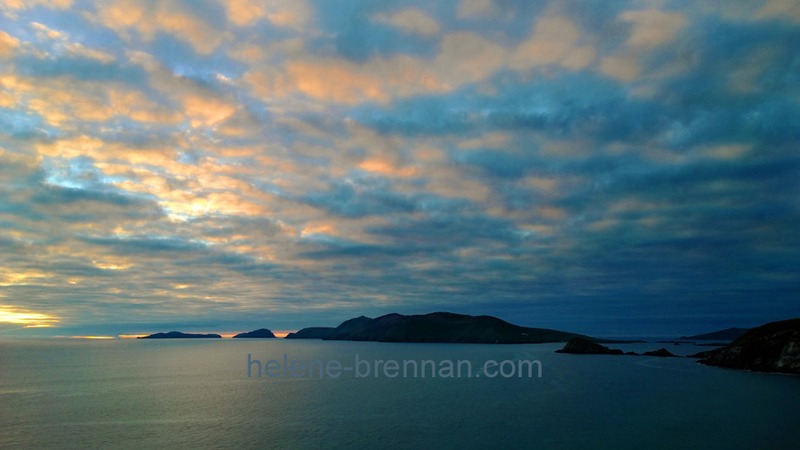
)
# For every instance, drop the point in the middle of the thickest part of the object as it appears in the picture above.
(28, 319)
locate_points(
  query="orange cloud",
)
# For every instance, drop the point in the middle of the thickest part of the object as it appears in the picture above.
(24, 4)
(65, 100)
(203, 106)
(387, 168)
(463, 58)
(293, 14)
(555, 40)
(204, 110)
(7, 44)
(343, 83)
(411, 21)
(138, 107)
(245, 12)
(166, 16)
(652, 28)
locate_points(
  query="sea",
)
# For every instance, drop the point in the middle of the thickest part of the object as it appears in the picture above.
(309, 394)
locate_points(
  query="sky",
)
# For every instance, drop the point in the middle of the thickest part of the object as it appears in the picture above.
(609, 168)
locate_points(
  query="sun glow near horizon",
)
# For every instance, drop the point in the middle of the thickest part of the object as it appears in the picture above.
(29, 319)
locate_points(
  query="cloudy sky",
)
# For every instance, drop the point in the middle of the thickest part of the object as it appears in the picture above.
(626, 167)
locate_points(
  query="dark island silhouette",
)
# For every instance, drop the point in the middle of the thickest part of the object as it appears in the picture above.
(438, 327)
(180, 335)
(773, 347)
(581, 346)
(261, 333)
(728, 334)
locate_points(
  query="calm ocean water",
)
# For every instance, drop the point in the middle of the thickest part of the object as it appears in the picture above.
(196, 393)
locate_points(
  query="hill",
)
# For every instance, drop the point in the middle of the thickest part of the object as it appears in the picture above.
(435, 327)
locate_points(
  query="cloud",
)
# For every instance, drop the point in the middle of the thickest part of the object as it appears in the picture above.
(622, 67)
(650, 29)
(245, 12)
(25, 4)
(779, 9)
(295, 14)
(473, 8)
(555, 40)
(7, 44)
(410, 21)
(463, 58)
(148, 19)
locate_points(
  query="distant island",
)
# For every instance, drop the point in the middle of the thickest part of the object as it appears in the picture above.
(727, 334)
(581, 346)
(261, 333)
(774, 347)
(442, 327)
(179, 335)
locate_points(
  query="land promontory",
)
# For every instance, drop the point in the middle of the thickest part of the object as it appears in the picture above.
(774, 347)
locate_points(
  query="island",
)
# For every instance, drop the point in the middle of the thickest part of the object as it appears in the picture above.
(774, 347)
(662, 352)
(582, 346)
(444, 327)
(261, 333)
(180, 335)
(727, 334)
